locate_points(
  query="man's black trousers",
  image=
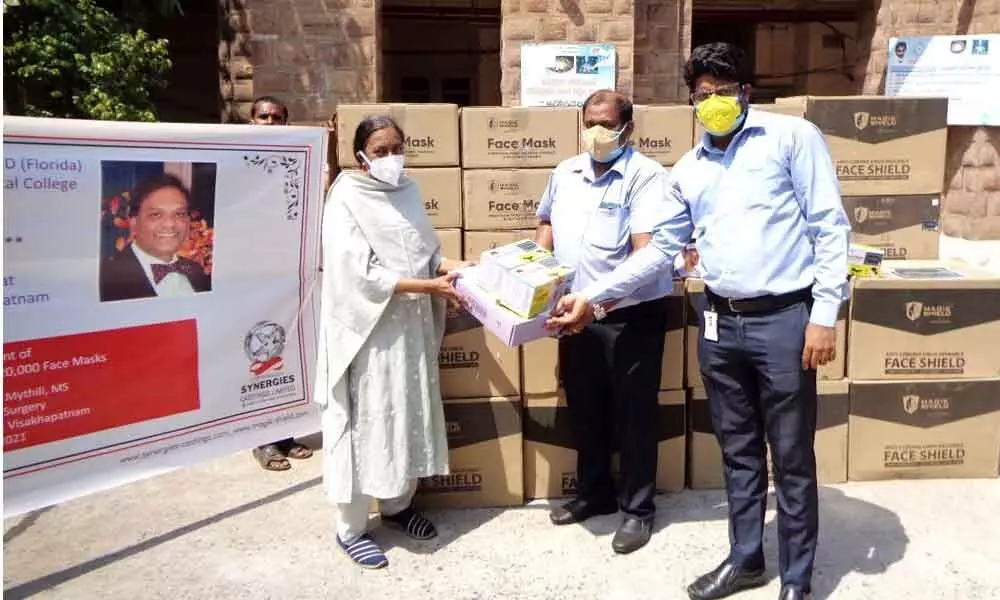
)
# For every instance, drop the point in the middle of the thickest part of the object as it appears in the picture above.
(610, 372)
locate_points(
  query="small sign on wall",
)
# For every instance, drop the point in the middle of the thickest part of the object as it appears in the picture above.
(963, 68)
(565, 74)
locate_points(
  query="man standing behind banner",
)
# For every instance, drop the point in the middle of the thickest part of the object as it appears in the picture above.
(598, 207)
(268, 110)
(761, 190)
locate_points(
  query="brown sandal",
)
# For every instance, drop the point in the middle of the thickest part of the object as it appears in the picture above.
(298, 451)
(271, 458)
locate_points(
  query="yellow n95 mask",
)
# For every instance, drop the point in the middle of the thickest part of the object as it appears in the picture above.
(602, 143)
(720, 115)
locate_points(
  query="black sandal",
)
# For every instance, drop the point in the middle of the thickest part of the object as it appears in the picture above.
(412, 524)
(271, 458)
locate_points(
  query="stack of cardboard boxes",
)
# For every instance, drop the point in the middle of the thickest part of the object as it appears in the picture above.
(919, 382)
(925, 373)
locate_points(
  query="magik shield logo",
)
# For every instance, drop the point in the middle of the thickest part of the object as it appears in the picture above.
(861, 120)
(263, 346)
(863, 214)
(864, 120)
(912, 403)
(918, 310)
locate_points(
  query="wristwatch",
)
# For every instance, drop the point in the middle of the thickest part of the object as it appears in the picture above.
(599, 312)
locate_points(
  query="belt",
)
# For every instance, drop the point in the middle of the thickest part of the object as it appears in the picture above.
(758, 305)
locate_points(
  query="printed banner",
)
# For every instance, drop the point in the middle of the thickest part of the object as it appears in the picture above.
(963, 68)
(565, 74)
(160, 298)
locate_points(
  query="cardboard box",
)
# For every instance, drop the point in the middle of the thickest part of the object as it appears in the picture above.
(695, 294)
(441, 189)
(451, 243)
(925, 320)
(485, 460)
(903, 227)
(672, 368)
(540, 358)
(533, 289)
(431, 131)
(540, 367)
(663, 133)
(474, 363)
(496, 263)
(881, 145)
(831, 444)
(503, 198)
(832, 371)
(494, 137)
(503, 324)
(477, 242)
(924, 429)
(864, 261)
(550, 449)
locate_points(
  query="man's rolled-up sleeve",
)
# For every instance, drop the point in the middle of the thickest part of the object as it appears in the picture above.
(660, 209)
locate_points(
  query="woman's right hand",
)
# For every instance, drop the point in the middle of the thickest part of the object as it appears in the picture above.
(442, 286)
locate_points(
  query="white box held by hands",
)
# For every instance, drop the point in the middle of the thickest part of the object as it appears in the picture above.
(495, 262)
(533, 289)
(510, 328)
(526, 278)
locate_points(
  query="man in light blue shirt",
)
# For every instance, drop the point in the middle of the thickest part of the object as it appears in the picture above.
(760, 195)
(597, 208)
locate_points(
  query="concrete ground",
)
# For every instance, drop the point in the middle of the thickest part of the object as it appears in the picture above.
(226, 529)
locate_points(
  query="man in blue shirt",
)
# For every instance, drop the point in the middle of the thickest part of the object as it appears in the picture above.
(597, 208)
(761, 193)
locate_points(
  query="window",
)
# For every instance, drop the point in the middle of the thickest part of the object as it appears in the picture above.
(456, 90)
(415, 89)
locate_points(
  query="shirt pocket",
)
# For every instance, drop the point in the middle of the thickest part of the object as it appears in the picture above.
(608, 226)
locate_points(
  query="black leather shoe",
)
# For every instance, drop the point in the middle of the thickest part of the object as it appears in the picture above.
(632, 535)
(578, 510)
(725, 580)
(792, 593)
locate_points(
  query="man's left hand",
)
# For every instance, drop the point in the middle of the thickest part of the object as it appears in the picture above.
(571, 314)
(820, 347)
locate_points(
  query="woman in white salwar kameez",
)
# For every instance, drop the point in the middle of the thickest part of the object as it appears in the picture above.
(385, 286)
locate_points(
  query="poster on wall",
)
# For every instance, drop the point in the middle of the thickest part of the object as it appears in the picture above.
(963, 68)
(565, 74)
(160, 288)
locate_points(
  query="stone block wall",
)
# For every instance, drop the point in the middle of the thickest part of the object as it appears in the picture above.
(313, 54)
(971, 205)
(564, 21)
(662, 45)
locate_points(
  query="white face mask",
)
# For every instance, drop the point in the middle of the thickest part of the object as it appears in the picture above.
(387, 169)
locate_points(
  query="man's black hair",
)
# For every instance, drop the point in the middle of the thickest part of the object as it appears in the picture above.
(158, 182)
(370, 125)
(622, 104)
(269, 100)
(721, 60)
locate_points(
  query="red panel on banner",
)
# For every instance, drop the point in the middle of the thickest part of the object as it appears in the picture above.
(63, 387)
